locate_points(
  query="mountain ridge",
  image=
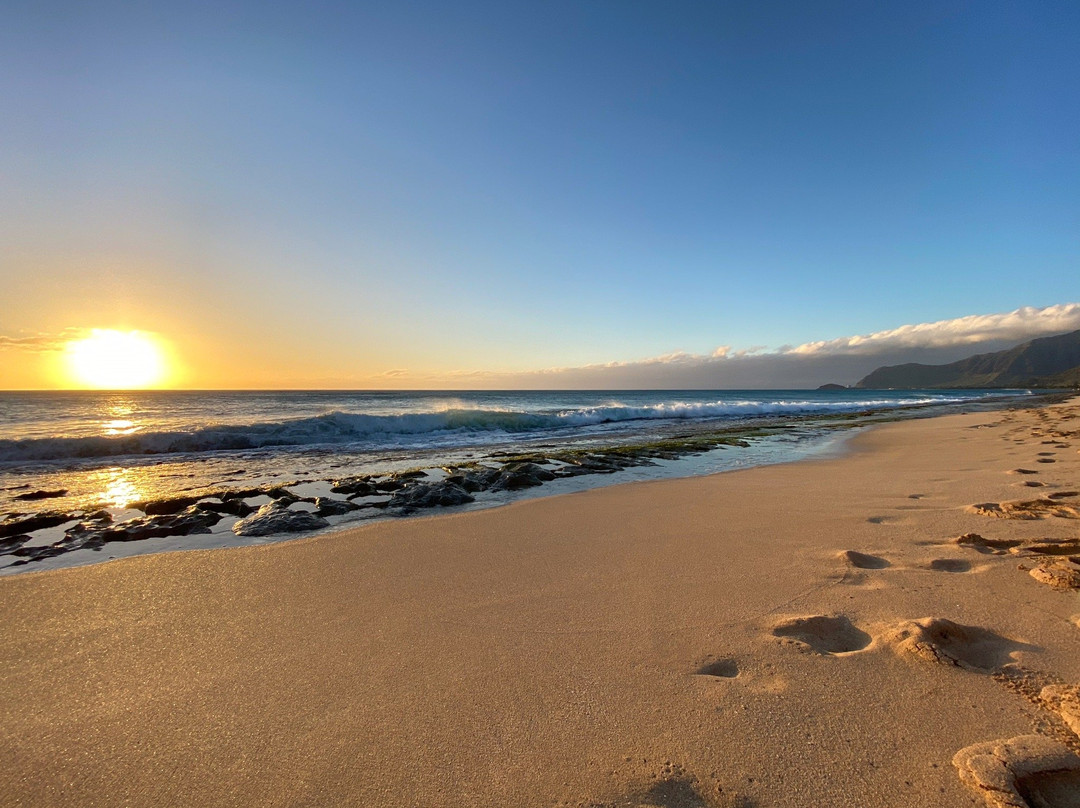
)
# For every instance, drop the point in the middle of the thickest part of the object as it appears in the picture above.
(1043, 362)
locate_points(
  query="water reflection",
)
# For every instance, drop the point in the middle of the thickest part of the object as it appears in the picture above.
(119, 487)
(120, 427)
(118, 411)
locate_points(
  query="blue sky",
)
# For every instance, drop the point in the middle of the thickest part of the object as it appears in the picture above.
(351, 188)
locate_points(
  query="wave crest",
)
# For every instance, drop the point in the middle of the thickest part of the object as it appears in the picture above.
(337, 428)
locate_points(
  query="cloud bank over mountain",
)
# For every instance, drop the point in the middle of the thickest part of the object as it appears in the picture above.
(844, 360)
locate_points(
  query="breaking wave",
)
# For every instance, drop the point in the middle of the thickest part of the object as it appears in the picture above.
(337, 428)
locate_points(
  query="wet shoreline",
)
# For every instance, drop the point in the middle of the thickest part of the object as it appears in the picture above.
(301, 506)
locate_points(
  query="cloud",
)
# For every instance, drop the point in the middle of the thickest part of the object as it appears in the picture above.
(396, 373)
(40, 343)
(844, 360)
(1022, 324)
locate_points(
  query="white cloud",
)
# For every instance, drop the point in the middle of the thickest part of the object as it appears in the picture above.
(1022, 324)
(844, 360)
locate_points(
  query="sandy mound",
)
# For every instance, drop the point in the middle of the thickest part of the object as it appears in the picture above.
(1065, 701)
(939, 640)
(1022, 772)
(1063, 574)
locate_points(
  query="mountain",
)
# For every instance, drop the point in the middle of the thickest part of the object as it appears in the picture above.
(1043, 362)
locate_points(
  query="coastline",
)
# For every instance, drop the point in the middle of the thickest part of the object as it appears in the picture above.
(637, 643)
(71, 517)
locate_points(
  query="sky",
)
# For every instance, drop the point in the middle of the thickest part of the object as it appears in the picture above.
(586, 194)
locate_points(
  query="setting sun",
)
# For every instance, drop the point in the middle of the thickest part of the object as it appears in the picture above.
(116, 360)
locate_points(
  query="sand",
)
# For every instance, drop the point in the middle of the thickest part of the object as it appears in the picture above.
(809, 634)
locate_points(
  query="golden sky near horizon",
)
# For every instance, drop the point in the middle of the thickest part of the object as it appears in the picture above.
(164, 352)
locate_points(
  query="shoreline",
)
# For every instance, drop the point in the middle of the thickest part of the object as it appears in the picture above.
(209, 516)
(701, 640)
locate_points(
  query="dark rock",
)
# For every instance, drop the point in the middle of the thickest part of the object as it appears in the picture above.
(353, 486)
(274, 518)
(164, 507)
(429, 495)
(657, 454)
(519, 458)
(514, 476)
(574, 471)
(473, 480)
(12, 543)
(532, 469)
(325, 506)
(233, 507)
(398, 480)
(28, 554)
(641, 457)
(589, 464)
(280, 492)
(37, 521)
(89, 534)
(243, 493)
(60, 492)
(93, 534)
(389, 485)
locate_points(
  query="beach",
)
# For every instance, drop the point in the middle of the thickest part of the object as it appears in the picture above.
(805, 634)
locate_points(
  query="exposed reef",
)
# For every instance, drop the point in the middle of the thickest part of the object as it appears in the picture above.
(395, 494)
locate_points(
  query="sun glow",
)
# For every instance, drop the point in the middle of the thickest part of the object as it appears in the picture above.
(116, 360)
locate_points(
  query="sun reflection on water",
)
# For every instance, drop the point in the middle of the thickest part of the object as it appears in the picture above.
(118, 487)
(120, 427)
(118, 412)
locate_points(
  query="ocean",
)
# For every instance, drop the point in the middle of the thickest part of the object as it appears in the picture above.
(71, 456)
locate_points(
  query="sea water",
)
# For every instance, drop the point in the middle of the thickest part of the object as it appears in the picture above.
(111, 449)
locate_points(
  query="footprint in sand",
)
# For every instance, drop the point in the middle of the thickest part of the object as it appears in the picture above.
(949, 565)
(1046, 460)
(881, 520)
(823, 634)
(863, 561)
(987, 546)
(1032, 484)
(1023, 471)
(671, 786)
(1023, 772)
(1059, 559)
(725, 668)
(1026, 509)
(936, 639)
(1021, 547)
(1046, 454)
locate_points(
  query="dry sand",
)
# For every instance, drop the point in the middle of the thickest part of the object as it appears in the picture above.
(799, 635)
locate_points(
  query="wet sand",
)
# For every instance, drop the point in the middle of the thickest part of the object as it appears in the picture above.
(802, 635)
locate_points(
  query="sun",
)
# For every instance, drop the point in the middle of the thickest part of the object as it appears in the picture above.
(116, 360)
